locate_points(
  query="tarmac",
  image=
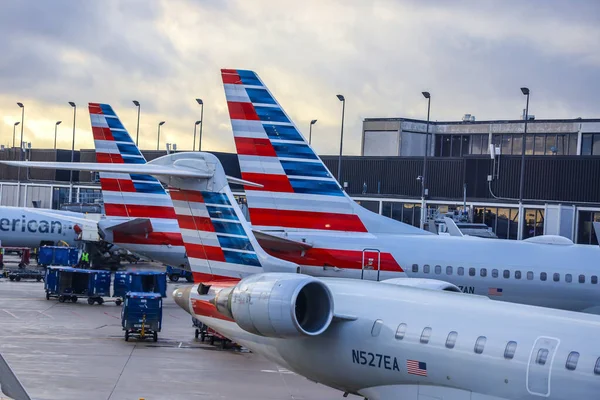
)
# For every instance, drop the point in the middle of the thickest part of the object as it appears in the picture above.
(64, 351)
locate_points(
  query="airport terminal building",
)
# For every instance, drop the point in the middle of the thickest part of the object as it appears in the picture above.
(561, 179)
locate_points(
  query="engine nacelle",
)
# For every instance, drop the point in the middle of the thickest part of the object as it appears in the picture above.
(432, 284)
(278, 305)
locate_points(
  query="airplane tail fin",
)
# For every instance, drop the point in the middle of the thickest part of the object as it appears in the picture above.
(10, 384)
(219, 242)
(298, 192)
(130, 195)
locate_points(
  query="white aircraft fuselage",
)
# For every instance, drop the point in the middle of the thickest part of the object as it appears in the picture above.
(457, 346)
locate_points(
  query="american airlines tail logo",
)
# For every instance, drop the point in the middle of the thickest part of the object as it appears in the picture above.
(31, 225)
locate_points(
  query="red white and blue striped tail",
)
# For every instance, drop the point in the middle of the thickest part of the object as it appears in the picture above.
(298, 192)
(132, 195)
(218, 241)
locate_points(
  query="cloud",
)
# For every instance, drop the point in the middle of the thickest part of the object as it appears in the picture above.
(472, 57)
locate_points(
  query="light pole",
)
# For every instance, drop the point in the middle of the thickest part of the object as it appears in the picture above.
(427, 95)
(137, 130)
(14, 127)
(72, 104)
(22, 124)
(161, 123)
(343, 100)
(199, 101)
(55, 130)
(314, 121)
(195, 126)
(521, 220)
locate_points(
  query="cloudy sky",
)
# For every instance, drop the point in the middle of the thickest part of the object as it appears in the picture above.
(471, 55)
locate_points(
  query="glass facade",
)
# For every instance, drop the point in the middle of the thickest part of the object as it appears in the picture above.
(590, 144)
(461, 145)
(409, 213)
(539, 144)
(503, 221)
(534, 223)
(586, 233)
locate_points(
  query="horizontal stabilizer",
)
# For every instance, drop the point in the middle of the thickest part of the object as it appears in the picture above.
(137, 226)
(452, 228)
(9, 383)
(182, 168)
(277, 243)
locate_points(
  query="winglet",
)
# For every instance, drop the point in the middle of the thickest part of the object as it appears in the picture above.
(10, 384)
(597, 230)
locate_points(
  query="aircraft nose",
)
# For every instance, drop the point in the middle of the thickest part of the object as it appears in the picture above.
(182, 297)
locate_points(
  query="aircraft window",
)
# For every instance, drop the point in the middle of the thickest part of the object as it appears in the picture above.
(572, 361)
(401, 331)
(594, 279)
(556, 277)
(451, 340)
(480, 344)
(494, 273)
(529, 275)
(460, 271)
(426, 268)
(543, 276)
(448, 270)
(506, 274)
(483, 272)
(517, 274)
(376, 329)
(438, 269)
(569, 278)
(415, 268)
(542, 356)
(581, 278)
(425, 335)
(471, 271)
(597, 367)
(511, 348)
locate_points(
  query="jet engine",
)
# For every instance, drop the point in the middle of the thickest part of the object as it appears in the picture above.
(278, 305)
(432, 284)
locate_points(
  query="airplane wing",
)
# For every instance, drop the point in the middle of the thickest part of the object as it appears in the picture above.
(597, 230)
(183, 168)
(10, 384)
(273, 242)
(137, 226)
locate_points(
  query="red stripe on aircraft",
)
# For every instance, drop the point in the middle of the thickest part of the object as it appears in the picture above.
(94, 108)
(346, 259)
(306, 220)
(195, 223)
(102, 133)
(231, 76)
(200, 251)
(214, 280)
(186, 195)
(270, 182)
(207, 309)
(117, 185)
(240, 110)
(153, 238)
(254, 147)
(138, 211)
(108, 158)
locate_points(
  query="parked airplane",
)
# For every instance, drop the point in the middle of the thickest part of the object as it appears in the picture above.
(350, 334)
(10, 384)
(301, 201)
(32, 227)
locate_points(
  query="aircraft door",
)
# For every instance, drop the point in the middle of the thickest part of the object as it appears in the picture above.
(371, 261)
(539, 369)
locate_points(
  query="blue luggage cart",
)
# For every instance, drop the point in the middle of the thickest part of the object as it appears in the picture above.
(58, 255)
(140, 281)
(142, 315)
(70, 284)
(175, 273)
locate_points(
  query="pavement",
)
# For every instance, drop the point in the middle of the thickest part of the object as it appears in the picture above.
(64, 351)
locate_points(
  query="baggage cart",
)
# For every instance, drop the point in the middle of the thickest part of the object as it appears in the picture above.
(58, 255)
(204, 331)
(21, 274)
(141, 315)
(175, 273)
(70, 284)
(140, 281)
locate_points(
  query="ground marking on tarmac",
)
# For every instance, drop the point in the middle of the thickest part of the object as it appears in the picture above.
(110, 315)
(11, 314)
(45, 315)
